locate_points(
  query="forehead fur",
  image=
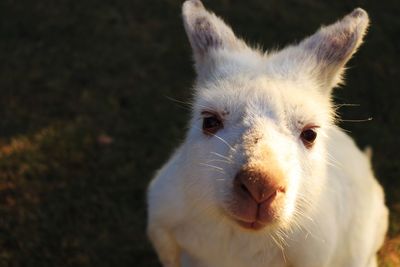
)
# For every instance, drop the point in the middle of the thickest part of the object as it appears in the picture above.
(252, 96)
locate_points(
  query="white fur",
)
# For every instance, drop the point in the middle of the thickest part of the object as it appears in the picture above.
(334, 212)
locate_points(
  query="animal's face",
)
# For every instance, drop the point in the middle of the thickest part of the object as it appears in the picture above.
(256, 143)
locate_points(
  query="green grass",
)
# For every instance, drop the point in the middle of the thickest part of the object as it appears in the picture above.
(85, 118)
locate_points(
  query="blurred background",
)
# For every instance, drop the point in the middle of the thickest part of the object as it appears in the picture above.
(86, 115)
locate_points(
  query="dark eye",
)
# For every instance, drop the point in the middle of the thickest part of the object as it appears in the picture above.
(308, 136)
(211, 123)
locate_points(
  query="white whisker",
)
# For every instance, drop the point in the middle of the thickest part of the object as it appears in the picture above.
(212, 166)
(218, 160)
(225, 142)
(219, 155)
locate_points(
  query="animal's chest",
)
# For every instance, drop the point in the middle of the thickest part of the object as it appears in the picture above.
(220, 245)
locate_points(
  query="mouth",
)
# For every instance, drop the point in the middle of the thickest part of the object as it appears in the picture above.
(256, 225)
(253, 216)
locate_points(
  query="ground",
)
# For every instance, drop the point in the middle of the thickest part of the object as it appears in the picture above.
(86, 115)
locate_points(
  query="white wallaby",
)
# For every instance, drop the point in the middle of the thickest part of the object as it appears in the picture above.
(264, 178)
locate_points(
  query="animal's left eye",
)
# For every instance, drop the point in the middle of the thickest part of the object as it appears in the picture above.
(308, 136)
(211, 123)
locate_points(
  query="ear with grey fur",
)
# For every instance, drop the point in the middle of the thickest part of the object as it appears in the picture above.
(207, 33)
(333, 46)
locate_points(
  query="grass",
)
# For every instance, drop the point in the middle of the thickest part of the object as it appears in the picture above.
(85, 115)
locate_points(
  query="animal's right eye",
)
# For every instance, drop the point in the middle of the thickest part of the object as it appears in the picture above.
(308, 136)
(211, 123)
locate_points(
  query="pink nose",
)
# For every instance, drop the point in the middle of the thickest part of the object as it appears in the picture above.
(260, 186)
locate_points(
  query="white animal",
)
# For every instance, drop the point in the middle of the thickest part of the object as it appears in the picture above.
(264, 177)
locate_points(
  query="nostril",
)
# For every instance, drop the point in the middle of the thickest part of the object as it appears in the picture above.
(271, 196)
(244, 188)
(261, 186)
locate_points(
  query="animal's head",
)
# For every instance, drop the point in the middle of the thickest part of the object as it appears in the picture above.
(256, 146)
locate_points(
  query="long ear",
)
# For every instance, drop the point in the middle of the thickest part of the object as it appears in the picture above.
(207, 34)
(332, 46)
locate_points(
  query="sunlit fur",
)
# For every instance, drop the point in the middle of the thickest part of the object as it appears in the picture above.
(334, 212)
